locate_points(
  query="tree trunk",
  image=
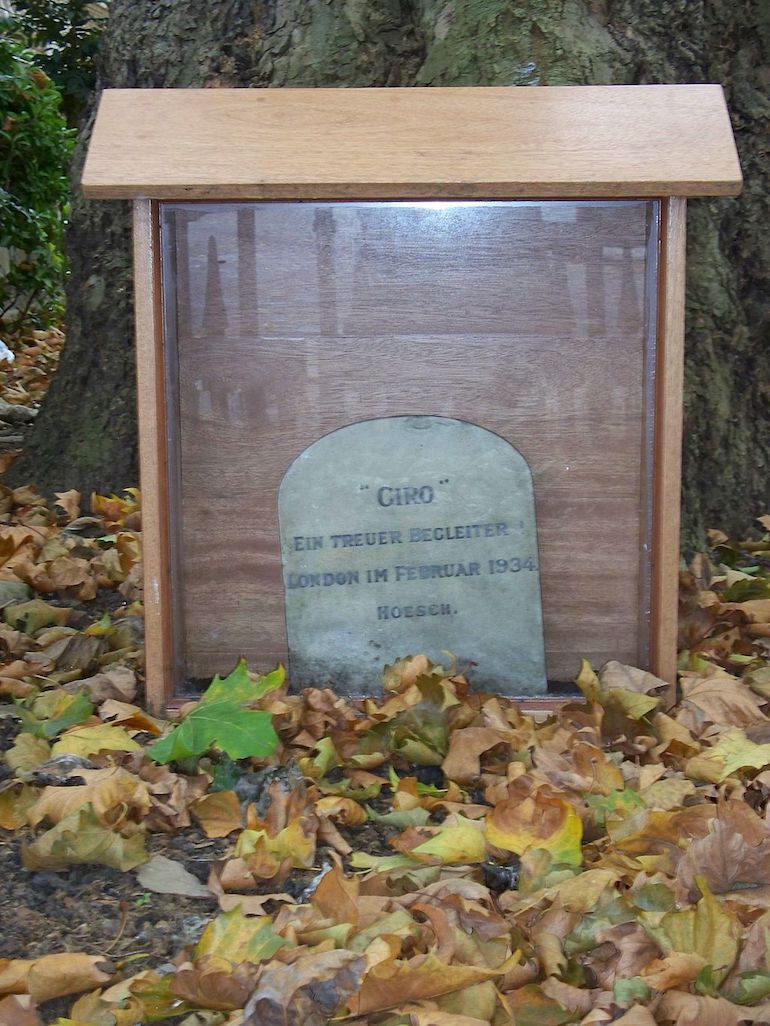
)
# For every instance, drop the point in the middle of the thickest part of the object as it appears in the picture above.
(85, 436)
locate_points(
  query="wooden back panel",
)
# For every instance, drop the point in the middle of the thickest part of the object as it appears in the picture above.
(534, 320)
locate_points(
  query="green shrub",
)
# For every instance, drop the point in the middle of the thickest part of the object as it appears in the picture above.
(35, 147)
(64, 35)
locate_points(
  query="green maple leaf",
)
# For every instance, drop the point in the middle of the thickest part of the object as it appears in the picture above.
(79, 709)
(221, 719)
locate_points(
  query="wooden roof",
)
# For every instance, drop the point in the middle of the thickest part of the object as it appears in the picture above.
(422, 143)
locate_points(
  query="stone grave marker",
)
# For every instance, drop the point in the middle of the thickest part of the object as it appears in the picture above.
(411, 534)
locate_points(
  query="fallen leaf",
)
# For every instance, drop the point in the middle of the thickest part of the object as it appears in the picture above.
(685, 1009)
(391, 982)
(732, 752)
(165, 876)
(107, 791)
(81, 838)
(27, 753)
(708, 930)
(69, 502)
(462, 762)
(720, 699)
(675, 970)
(219, 813)
(18, 1010)
(221, 719)
(212, 983)
(539, 820)
(118, 683)
(238, 938)
(15, 802)
(305, 993)
(725, 860)
(86, 740)
(53, 976)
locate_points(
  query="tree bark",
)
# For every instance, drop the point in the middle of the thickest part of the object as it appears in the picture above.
(85, 436)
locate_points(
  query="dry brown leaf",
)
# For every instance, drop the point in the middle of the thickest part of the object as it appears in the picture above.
(462, 762)
(675, 970)
(636, 1016)
(667, 794)
(69, 503)
(165, 876)
(345, 810)
(725, 860)
(421, 1017)
(576, 999)
(634, 949)
(249, 904)
(721, 699)
(630, 678)
(13, 975)
(391, 982)
(337, 897)
(219, 813)
(118, 683)
(53, 976)
(305, 993)
(112, 792)
(126, 715)
(212, 983)
(684, 1009)
(18, 1010)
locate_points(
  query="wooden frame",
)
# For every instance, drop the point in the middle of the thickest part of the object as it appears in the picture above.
(153, 455)
(486, 143)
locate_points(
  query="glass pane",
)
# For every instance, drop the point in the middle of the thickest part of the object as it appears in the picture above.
(286, 321)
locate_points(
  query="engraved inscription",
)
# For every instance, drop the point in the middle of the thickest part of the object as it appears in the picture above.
(410, 534)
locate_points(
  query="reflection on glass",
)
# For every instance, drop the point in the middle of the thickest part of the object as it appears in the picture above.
(534, 320)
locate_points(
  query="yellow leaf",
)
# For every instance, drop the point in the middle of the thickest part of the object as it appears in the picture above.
(731, 753)
(237, 938)
(294, 842)
(81, 838)
(453, 845)
(581, 893)
(707, 930)
(541, 820)
(27, 753)
(588, 682)
(87, 741)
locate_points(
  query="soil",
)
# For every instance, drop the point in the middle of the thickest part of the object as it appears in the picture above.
(98, 910)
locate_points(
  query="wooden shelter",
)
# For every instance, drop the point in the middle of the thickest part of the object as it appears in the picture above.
(309, 258)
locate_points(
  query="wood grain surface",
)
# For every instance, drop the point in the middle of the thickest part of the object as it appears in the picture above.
(535, 321)
(668, 442)
(153, 459)
(481, 142)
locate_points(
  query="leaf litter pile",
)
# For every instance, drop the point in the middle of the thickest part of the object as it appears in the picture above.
(431, 857)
